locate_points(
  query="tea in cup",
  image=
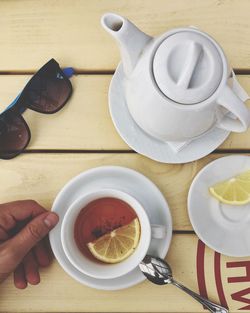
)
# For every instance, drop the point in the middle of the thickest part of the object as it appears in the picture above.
(106, 234)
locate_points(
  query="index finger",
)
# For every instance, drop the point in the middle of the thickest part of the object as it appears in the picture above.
(21, 210)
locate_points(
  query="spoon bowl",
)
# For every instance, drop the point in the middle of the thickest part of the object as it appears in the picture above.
(156, 270)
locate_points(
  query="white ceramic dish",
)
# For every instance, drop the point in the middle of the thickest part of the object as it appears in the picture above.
(128, 181)
(222, 227)
(149, 146)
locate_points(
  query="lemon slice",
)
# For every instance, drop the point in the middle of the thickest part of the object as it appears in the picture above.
(117, 245)
(235, 191)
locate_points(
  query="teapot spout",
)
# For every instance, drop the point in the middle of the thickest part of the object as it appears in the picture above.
(130, 39)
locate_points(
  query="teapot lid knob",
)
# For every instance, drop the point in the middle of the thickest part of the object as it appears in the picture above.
(187, 67)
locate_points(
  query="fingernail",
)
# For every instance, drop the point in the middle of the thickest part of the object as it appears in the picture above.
(51, 220)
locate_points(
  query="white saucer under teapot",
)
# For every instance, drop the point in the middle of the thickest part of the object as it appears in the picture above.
(177, 85)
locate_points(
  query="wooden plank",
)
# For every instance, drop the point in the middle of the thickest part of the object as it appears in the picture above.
(60, 293)
(34, 31)
(41, 176)
(85, 123)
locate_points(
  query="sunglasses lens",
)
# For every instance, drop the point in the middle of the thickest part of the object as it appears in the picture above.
(48, 90)
(14, 135)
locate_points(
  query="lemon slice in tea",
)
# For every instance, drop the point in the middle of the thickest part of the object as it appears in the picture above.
(235, 191)
(117, 245)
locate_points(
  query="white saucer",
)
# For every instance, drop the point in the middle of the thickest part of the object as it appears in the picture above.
(149, 146)
(222, 227)
(124, 179)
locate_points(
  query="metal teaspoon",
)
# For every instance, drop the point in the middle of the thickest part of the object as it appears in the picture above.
(159, 272)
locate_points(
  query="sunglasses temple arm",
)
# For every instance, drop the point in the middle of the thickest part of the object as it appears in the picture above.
(21, 110)
(68, 71)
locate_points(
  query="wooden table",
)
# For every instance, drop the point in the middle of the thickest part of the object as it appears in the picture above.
(82, 136)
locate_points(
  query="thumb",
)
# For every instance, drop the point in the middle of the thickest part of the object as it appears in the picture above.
(32, 233)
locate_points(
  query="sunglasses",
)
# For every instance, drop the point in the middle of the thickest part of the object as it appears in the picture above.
(46, 92)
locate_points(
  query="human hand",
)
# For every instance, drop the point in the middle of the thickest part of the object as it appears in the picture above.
(23, 247)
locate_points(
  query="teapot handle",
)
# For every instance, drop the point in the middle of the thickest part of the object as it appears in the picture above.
(233, 104)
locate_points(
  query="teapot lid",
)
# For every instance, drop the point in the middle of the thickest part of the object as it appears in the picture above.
(187, 67)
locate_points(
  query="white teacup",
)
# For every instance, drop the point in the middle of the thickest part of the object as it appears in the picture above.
(107, 271)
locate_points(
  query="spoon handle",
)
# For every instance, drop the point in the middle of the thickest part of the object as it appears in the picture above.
(212, 307)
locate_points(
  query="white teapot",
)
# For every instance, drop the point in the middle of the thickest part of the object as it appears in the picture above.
(177, 85)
